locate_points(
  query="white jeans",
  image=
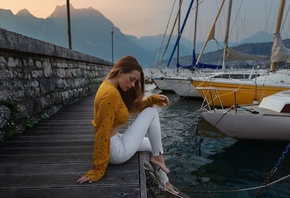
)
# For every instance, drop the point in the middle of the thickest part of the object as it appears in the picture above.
(124, 146)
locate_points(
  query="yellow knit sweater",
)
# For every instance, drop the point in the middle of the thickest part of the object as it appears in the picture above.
(109, 112)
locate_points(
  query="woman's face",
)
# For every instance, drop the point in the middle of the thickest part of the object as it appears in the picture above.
(127, 80)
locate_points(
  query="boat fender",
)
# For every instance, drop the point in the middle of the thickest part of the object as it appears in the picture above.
(201, 110)
(234, 107)
(253, 111)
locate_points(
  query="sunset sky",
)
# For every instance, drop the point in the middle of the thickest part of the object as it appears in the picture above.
(149, 17)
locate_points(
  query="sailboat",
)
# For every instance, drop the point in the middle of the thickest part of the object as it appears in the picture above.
(183, 85)
(156, 77)
(267, 121)
(181, 82)
(223, 92)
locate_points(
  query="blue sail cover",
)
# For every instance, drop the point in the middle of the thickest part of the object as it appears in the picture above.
(199, 65)
(180, 31)
(193, 65)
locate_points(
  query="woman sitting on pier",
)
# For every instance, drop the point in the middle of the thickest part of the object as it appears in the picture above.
(120, 94)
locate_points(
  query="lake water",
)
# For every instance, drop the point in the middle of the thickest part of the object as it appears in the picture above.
(221, 163)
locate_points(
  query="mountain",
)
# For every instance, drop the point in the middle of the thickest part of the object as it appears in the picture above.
(259, 37)
(90, 32)
(24, 13)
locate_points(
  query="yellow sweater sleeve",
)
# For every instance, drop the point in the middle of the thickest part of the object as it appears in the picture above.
(152, 100)
(104, 114)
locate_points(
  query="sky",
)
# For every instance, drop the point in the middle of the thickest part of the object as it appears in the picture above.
(134, 17)
(150, 17)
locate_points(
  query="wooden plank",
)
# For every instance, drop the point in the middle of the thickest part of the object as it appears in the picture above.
(143, 187)
(53, 137)
(45, 150)
(77, 130)
(79, 167)
(86, 191)
(53, 180)
(15, 169)
(49, 144)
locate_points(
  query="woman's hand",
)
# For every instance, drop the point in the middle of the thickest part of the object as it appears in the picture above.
(84, 179)
(164, 99)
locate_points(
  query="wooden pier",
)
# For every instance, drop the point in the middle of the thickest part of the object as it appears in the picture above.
(46, 161)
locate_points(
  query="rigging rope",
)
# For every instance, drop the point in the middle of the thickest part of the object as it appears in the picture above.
(164, 38)
(243, 189)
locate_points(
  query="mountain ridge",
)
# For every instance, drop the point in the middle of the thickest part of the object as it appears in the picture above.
(24, 13)
(90, 31)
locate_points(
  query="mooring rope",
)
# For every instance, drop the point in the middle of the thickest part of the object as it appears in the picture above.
(242, 189)
(274, 169)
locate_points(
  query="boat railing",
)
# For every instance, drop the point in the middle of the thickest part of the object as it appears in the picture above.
(213, 93)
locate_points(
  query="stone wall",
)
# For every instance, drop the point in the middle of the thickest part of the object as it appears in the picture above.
(37, 79)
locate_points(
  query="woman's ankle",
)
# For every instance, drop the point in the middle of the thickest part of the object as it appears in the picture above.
(159, 161)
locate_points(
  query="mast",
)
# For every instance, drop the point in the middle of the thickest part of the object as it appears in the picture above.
(178, 30)
(278, 27)
(194, 39)
(227, 35)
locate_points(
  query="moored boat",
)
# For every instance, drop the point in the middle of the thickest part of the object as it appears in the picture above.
(218, 91)
(254, 89)
(267, 121)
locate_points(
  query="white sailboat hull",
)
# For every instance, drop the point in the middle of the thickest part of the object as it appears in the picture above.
(161, 84)
(267, 121)
(250, 126)
(182, 86)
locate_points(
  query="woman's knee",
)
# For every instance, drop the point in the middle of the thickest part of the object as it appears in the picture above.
(150, 113)
(151, 110)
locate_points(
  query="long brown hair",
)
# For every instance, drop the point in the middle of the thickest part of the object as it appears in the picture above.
(132, 97)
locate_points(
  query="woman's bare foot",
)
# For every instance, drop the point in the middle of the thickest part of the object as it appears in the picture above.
(159, 161)
(169, 187)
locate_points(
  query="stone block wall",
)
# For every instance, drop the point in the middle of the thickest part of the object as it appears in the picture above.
(37, 79)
